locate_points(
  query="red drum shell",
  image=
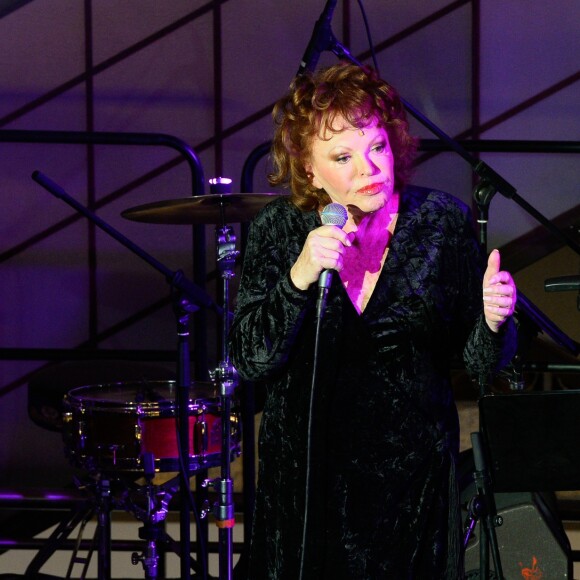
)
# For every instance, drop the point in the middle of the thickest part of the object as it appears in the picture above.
(109, 427)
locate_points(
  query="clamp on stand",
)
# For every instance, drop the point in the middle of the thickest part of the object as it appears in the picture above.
(224, 510)
(153, 517)
(483, 193)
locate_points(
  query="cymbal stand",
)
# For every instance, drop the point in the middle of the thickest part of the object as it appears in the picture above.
(226, 377)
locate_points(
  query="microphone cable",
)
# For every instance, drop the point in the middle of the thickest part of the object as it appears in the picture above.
(369, 38)
(309, 450)
(332, 214)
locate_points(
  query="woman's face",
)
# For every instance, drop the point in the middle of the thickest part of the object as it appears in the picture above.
(354, 166)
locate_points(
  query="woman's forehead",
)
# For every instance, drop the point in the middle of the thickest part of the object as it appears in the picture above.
(339, 124)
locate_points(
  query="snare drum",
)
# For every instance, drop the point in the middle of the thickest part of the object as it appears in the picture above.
(110, 427)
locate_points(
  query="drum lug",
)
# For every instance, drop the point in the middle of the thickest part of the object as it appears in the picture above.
(82, 434)
(200, 436)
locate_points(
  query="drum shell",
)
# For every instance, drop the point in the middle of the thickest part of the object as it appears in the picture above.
(108, 428)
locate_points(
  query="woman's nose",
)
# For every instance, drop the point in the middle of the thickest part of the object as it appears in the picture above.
(367, 167)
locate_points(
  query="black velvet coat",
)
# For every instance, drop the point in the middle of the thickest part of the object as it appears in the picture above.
(382, 493)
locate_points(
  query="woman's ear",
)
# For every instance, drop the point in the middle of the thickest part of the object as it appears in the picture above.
(311, 177)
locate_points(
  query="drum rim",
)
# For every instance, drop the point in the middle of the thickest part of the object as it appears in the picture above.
(74, 397)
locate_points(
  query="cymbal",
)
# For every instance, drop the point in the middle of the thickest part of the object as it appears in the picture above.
(213, 208)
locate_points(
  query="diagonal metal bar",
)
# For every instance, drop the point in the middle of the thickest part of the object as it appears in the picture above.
(108, 63)
(416, 27)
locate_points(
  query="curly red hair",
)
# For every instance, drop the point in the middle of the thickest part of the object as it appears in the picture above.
(311, 105)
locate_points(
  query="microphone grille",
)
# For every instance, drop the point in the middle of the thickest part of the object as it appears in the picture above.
(334, 214)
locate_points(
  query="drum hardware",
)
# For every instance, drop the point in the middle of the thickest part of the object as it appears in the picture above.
(128, 429)
(104, 495)
(201, 209)
(152, 517)
(214, 208)
(110, 428)
(227, 379)
(100, 504)
(186, 298)
(114, 458)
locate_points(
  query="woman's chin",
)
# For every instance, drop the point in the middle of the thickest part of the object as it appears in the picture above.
(368, 204)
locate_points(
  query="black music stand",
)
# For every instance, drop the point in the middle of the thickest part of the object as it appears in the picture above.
(532, 440)
(531, 446)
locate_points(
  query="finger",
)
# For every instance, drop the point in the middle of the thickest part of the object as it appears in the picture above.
(496, 313)
(498, 300)
(500, 290)
(500, 307)
(502, 277)
(325, 252)
(336, 233)
(327, 247)
(493, 266)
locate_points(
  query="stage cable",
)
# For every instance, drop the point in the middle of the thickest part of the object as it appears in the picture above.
(308, 475)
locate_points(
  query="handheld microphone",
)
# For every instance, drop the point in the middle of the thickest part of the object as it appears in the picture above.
(322, 39)
(333, 214)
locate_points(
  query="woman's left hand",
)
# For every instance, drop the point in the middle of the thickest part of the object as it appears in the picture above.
(499, 293)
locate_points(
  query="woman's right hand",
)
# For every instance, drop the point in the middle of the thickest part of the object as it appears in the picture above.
(323, 250)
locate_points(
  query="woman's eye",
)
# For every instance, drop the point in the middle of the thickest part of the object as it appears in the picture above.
(379, 147)
(342, 158)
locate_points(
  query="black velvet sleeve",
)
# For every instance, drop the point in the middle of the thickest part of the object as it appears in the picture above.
(487, 352)
(270, 309)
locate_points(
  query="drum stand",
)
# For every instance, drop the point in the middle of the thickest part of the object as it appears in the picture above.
(101, 505)
(153, 518)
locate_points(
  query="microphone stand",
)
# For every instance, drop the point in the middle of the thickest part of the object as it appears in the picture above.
(482, 505)
(187, 298)
(492, 181)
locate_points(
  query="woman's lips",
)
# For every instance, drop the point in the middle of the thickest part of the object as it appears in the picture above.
(371, 189)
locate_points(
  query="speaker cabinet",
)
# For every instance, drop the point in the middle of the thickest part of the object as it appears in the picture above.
(532, 542)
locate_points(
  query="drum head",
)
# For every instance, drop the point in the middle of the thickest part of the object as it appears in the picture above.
(139, 396)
